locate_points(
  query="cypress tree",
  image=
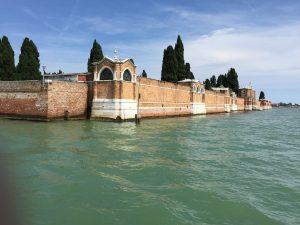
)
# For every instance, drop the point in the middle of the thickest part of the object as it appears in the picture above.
(262, 95)
(179, 52)
(213, 81)
(222, 81)
(7, 60)
(232, 79)
(164, 67)
(188, 73)
(144, 74)
(225, 80)
(169, 65)
(96, 54)
(207, 84)
(29, 63)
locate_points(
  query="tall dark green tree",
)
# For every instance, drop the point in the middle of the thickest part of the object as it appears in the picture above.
(179, 52)
(144, 74)
(207, 84)
(29, 64)
(188, 73)
(232, 80)
(262, 96)
(222, 81)
(213, 81)
(7, 60)
(169, 65)
(96, 55)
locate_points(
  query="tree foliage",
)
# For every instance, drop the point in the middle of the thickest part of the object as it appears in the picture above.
(262, 96)
(222, 81)
(29, 64)
(179, 52)
(213, 81)
(144, 74)
(7, 60)
(229, 80)
(207, 84)
(175, 63)
(96, 55)
(169, 66)
(232, 80)
(188, 73)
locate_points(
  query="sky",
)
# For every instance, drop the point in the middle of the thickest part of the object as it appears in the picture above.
(260, 39)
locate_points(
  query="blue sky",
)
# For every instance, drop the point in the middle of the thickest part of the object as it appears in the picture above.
(261, 39)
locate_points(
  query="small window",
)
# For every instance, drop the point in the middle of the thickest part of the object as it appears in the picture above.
(127, 75)
(106, 74)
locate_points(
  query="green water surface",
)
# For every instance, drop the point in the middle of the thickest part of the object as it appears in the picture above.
(235, 169)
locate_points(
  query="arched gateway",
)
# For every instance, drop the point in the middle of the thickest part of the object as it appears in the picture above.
(115, 69)
(114, 89)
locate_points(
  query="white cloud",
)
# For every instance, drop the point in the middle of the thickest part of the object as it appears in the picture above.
(195, 18)
(269, 56)
(258, 51)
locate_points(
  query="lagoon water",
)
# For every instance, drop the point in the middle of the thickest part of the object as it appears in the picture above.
(235, 169)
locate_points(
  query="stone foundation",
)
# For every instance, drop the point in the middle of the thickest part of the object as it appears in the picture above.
(123, 109)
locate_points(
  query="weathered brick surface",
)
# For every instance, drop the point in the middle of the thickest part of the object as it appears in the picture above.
(215, 102)
(23, 99)
(20, 86)
(59, 99)
(159, 98)
(31, 99)
(241, 104)
(67, 99)
(115, 90)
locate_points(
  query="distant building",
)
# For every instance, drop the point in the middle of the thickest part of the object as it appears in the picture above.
(72, 77)
(249, 94)
(223, 90)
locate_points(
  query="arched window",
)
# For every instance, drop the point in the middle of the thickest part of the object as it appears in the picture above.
(106, 74)
(127, 75)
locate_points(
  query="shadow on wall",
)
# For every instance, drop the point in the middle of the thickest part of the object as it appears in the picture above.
(90, 97)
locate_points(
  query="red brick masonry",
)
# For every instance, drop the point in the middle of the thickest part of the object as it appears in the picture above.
(33, 100)
(63, 99)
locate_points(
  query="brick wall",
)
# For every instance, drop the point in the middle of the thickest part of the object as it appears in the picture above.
(215, 102)
(32, 100)
(115, 90)
(67, 99)
(240, 104)
(158, 98)
(23, 99)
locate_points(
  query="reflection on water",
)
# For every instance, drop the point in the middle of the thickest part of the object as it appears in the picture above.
(242, 168)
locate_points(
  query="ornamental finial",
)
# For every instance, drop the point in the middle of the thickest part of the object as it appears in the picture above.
(116, 52)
